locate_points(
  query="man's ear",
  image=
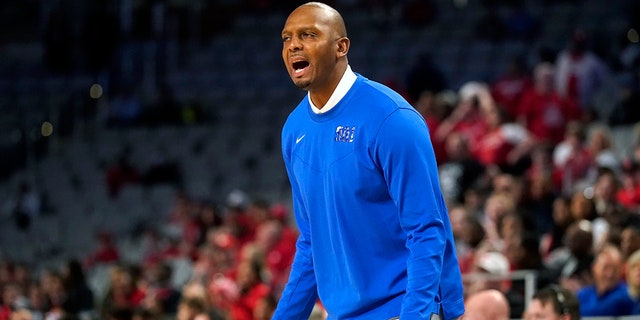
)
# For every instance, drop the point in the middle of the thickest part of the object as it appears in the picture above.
(343, 47)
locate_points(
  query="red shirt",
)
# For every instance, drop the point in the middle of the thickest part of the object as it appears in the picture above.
(494, 147)
(508, 90)
(547, 115)
(242, 308)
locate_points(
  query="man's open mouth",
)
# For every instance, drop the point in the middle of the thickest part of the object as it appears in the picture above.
(299, 66)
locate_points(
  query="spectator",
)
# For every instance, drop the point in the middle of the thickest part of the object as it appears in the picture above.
(570, 265)
(143, 314)
(562, 219)
(467, 118)
(629, 192)
(196, 290)
(53, 286)
(607, 296)
(488, 304)
(523, 252)
(602, 150)
(160, 296)
(12, 298)
(571, 159)
(633, 280)
(505, 144)
(38, 304)
(257, 213)
(580, 73)
(470, 238)
(106, 253)
(278, 250)
(496, 206)
(458, 217)
(508, 88)
(265, 308)
(192, 309)
(489, 270)
(21, 314)
(79, 297)
(553, 303)
(611, 216)
(538, 200)
(461, 170)
(252, 288)
(543, 111)
(122, 292)
(629, 240)
(541, 165)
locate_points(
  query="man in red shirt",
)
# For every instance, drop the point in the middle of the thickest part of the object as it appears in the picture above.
(543, 111)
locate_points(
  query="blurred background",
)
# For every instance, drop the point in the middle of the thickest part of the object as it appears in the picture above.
(117, 112)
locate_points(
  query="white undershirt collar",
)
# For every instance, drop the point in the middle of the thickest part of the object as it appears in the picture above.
(347, 80)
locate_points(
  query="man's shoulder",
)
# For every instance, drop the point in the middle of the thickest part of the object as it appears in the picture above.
(372, 94)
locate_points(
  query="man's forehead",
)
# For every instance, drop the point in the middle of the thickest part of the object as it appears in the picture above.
(311, 15)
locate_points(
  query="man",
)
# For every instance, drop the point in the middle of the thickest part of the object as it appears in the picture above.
(553, 303)
(487, 304)
(608, 295)
(375, 240)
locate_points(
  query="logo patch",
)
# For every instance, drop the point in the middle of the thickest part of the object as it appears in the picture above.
(345, 133)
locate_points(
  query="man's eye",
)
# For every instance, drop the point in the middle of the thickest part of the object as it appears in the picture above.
(285, 39)
(307, 35)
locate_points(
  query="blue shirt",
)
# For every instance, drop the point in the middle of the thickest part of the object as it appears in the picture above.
(615, 302)
(375, 240)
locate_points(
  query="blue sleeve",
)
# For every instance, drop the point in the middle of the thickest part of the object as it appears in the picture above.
(300, 293)
(404, 154)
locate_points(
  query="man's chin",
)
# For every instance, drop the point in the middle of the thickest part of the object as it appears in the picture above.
(302, 84)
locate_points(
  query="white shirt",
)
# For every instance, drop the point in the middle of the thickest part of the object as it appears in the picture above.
(347, 80)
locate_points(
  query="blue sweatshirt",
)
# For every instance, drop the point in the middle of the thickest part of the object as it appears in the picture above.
(375, 240)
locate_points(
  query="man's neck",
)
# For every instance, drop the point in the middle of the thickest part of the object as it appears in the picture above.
(320, 97)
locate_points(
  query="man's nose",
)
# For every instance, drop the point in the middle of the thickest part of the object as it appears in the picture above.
(295, 44)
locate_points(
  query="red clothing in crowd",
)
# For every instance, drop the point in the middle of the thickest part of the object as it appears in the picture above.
(494, 147)
(573, 170)
(547, 115)
(629, 194)
(508, 90)
(242, 308)
(472, 128)
(5, 312)
(438, 146)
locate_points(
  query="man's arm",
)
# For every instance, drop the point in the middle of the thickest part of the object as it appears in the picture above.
(405, 154)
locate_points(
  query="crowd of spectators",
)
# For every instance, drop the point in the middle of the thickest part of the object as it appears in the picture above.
(534, 180)
(528, 167)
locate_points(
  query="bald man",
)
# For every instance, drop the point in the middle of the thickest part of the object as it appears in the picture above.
(375, 240)
(487, 304)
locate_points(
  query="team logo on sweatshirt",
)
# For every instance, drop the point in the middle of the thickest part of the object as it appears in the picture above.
(345, 133)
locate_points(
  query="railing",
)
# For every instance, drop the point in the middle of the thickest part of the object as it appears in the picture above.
(530, 278)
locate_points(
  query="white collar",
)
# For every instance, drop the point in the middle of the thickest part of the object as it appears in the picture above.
(348, 79)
